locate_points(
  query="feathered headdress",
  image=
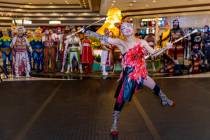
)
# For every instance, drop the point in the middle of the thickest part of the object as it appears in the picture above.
(38, 30)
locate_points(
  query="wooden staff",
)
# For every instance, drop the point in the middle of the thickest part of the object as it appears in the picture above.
(158, 52)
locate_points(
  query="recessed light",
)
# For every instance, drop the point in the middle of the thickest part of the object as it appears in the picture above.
(114, 1)
(130, 4)
(154, 1)
(134, 0)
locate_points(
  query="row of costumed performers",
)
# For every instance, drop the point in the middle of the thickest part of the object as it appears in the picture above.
(42, 50)
(194, 48)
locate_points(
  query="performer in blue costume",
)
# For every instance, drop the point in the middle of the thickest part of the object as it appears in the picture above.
(38, 50)
(6, 51)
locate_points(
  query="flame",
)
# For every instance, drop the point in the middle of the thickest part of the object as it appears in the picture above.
(113, 16)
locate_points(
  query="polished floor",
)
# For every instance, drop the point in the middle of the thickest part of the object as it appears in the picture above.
(53, 109)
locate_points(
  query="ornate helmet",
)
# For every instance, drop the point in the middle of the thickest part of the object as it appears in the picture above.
(21, 28)
(29, 32)
(38, 30)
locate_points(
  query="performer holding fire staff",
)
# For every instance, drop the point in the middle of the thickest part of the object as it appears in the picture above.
(134, 74)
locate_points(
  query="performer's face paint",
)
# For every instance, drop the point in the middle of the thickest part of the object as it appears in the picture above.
(20, 32)
(37, 34)
(127, 29)
(206, 29)
(59, 30)
(5, 33)
(47, 32)
(175, 24)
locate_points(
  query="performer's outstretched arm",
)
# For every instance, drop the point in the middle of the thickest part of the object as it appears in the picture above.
(96, 35)
(114, 41)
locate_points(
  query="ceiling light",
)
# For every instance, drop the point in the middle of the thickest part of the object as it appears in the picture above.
(54, 22)
(114, 1)
(154, 1)
(130, 4)
(66, 2)
(112, 4)
(20, 21)
(27, 22)
(134, 1)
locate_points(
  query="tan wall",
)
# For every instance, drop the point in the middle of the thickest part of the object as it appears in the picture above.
(193, 21)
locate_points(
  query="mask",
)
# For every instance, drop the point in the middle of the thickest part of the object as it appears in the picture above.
(206, 29)
(46, 32)
(5, 33)
(127, 29)
(175, 24)
(20, 32)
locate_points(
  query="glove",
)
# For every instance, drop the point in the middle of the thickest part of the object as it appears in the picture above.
(83, 30)
(169, 45)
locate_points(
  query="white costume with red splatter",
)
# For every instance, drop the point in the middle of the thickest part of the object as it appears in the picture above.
(21, 46)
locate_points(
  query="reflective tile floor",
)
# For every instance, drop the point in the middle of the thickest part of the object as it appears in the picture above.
(56, 109)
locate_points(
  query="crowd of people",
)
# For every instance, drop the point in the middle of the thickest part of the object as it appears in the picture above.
(46, 50)
(192, 54)
(61, 50)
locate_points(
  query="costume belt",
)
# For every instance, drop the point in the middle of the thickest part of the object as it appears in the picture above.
(6, 50)
(39, 50)
(74, 49)
(20, 49)
(86, 44)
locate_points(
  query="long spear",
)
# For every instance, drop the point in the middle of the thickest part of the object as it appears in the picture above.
(80, 30)
(158, 52)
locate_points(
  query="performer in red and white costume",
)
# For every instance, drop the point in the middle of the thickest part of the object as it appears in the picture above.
(87, 54)
(20, 45)
(134, 74)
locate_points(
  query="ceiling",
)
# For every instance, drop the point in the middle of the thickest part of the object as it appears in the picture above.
(152, 8)
(82, 12)
(42, 2)
(40, 12)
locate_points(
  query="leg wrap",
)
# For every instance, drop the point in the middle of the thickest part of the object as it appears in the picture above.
(156, 90)
(115, 120)
(118, 106)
